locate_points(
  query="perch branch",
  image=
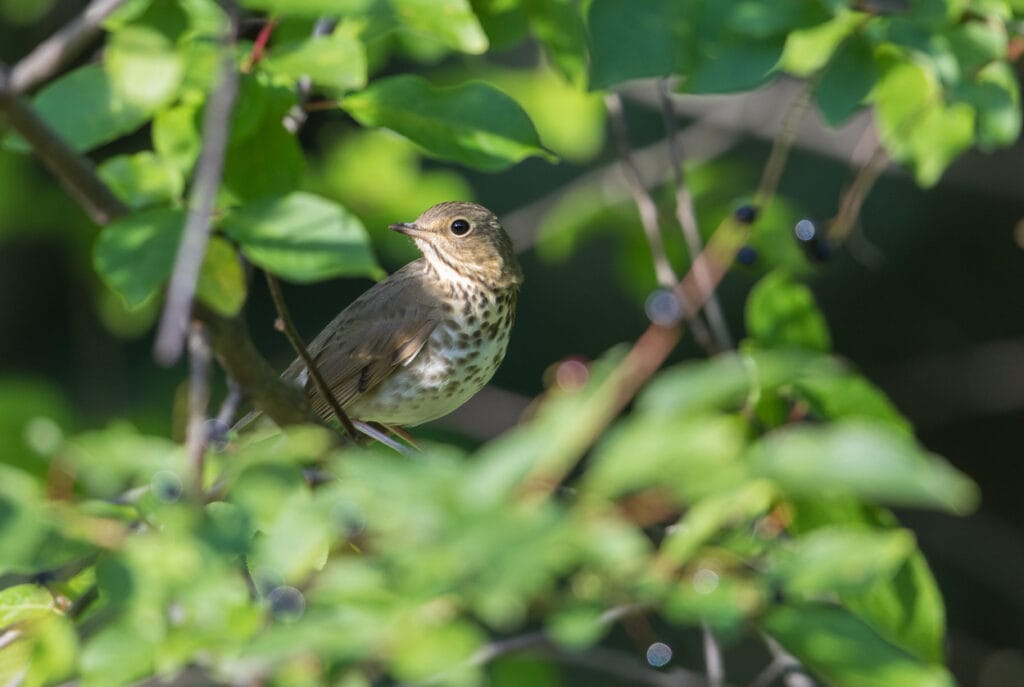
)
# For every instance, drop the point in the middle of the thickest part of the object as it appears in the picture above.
(63, 46)
(300, 349)
(205, 184)
(199, 359)
(648, 211)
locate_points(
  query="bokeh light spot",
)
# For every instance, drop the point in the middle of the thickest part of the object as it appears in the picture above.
(659, 654)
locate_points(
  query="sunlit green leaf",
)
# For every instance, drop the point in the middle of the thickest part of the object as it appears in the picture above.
(143, 65)
(781, 312)
(135, 254)
(870, 461)
(142, 179)
(833, 643)
(303, 238)
(808, 50)
(310, 8)
(450, 21)
(221, 282)
(474, 124)
(337, 61)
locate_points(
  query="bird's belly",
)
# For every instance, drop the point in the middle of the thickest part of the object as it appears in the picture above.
(452, 367)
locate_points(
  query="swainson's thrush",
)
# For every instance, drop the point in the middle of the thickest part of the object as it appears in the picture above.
(419, 344)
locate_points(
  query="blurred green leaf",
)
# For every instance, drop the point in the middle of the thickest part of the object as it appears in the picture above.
(839, 559)
(303, 238)
(996, 96)
(135, 254)
(84, 109)
(631, 40)
(43, 650)
(143, 66)
(916, 125)
(34, 417)
(474, 123)
(115, 656)
(503, 21)
(849, 396)
(108, 461)
(221, 282)
(867, 460)
(847, 80)
(781, 312)
(808, 50)
(558, 26)
(310, 8)
(337, 61)
(734, 64)
(175, 135)
(142, 179)
(450, 21)
(834, 644)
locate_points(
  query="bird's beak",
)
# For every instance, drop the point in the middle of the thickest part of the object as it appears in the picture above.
(407, 228)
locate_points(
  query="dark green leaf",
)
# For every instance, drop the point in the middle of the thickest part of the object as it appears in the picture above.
(83, 108)
(781, 312)
(265, 164)
(503, 21)
(303, 238)
(135, 254)
(736, 64)
(559, 28)
(996, 96)
(630, 40)
(837, 646)
(866, 460)
(473, 123)
(847, 80)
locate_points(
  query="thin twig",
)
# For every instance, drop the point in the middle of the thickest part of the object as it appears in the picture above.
(296, 117)
(260, 44)
(782, 144)
(853, 198)
(792, 670)
(229, 406)
(9, 637)
(300, 349)
(199, 358)
(768, 675)
(63, 46)
(687, 218)
(627, 667)
(648, 211)
(712, 657)
(75, 172)
(85, 600)
(205, 184)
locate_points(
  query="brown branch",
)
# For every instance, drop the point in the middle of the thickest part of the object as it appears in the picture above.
(648, 211)
(63, 46)
(205, 184)
(712, 657)
(300, 349)
(687, 218)
(284, 403)
(199, 359)
(75, 172)
(783, 143)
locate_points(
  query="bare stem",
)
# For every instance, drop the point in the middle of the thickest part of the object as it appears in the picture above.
(853, 198)
(199, 357)
(783, 143)
(300, 349)
(687, 218)
(648, 211)
(205, 184)
(712, 657)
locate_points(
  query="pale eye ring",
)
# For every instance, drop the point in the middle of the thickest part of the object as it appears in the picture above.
(460, 227)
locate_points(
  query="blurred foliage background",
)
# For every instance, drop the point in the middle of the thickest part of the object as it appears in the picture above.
(923, 296)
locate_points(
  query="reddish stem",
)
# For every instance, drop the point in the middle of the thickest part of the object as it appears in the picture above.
(262, 38)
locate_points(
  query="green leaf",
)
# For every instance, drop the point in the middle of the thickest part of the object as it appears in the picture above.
(473, 123)
(34, 416)
(504, 22)
(115, 656)
(848, 396)
(176, 136)
(870, 461)
(110, 460)
(83, 108)
(808, 50)
(134, 254)
(840, 559)
(44, 650)
(143, 66)
(450, 21)
(142, 179)
(222, 279)
(781, 312)
(310, 8)
(630, 40)
(847, 80)
(303, 238)
(734, 64)
(837, 646)
(559, 28)
(996, 96)
(337, 61)
(266, 163)
(916, 125)
(25, 602)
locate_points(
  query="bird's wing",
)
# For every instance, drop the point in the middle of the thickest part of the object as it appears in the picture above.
(380, 331)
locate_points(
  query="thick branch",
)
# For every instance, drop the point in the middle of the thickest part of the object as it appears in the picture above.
(62, 47)
(284, 403)
(170, 335)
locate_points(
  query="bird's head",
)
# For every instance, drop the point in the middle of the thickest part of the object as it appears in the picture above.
(461, 240)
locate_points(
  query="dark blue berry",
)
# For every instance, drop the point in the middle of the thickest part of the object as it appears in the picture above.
(746, 214)
(747, 255)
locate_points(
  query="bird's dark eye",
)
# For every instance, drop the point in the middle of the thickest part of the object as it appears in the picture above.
(460, 227)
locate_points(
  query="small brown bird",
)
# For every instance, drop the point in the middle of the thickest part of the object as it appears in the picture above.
(419, 344)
